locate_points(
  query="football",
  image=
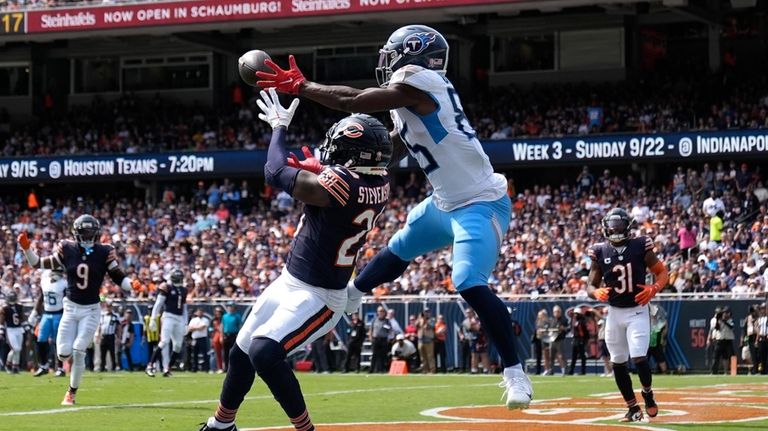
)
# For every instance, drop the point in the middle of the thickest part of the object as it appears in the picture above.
(249, 63)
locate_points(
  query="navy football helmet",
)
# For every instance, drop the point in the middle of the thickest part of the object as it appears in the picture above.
(177, 277)
(617, 226)
(86, 230)
(412, 44)
(357, 142)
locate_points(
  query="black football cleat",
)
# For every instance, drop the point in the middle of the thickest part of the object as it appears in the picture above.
(650, 404)
(41, 372)
(150, 372)
(61, 373)
(167, 374)
(635, 414)
(208, 426)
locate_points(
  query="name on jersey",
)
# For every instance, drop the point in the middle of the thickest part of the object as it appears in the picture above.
(373, 195)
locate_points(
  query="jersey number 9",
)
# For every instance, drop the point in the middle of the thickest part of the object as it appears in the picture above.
(82, 273)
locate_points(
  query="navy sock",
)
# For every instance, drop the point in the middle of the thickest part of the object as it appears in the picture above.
(644, 372)
(172, 361)
(268, 359)
(237, 383)
(496, 321)
(155, 355)
(42, 354)
(383, 268)
(624, 382)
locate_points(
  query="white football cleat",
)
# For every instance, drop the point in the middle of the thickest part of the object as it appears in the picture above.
(517, 388)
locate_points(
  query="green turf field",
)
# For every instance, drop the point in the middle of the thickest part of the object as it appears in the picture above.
(132, 401)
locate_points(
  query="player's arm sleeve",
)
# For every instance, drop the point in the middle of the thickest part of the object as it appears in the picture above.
(348, 99)
(657, 267)
(54, 261)
(595, 273)
(116, 273)
(399, 150)
(159, 303)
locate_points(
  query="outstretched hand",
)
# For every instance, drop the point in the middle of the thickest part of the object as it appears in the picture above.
(273, 112)
(602, 294)
(285, 81)
(310, 162)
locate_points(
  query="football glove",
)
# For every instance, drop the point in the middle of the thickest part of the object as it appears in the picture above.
(27, 327)
(23, 240)
(602, 294)
(285, 81)
(152, 324)
(273, 112)
(647, 292)
(354, 299)
(310, 162)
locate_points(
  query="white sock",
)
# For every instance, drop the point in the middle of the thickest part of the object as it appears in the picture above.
(78, 367)
(166, 362)
(212, 422)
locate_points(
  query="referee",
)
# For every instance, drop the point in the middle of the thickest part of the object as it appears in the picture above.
(107, 328)
(152, 337)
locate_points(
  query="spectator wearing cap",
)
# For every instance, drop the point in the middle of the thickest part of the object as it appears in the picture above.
(425, 326)
(230, 325)
(404, 350)
(580, 340)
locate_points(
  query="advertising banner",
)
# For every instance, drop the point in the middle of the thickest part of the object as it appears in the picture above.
(208, 11)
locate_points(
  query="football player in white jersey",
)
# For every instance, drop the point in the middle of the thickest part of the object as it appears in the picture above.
(51, 303)
(469, 208)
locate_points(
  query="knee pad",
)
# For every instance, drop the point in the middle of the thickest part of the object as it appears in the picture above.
(465, 276)
(265, 353)
(176, 349)
(63, 352)
(78, 357)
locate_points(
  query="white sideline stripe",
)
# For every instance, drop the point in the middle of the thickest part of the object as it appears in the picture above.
(260, 397)
(473, 421)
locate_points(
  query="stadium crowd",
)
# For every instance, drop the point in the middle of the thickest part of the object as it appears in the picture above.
(11, 5)
(131, 124)
(710, 225)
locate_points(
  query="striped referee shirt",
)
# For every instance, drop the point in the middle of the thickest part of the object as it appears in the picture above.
(762, 326)
(108, 323)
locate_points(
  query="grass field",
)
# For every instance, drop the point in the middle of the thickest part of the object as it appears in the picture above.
(124, 401)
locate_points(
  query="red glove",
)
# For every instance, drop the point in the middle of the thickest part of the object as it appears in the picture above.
(601, 294)
(310, 162)
(23, 240)
(137, 286)
(284, 81)
(647, 292)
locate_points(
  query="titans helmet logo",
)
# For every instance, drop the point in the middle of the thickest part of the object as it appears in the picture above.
(416, 43)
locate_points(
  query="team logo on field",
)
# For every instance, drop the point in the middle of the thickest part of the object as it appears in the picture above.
(418, 42)
(353, 130)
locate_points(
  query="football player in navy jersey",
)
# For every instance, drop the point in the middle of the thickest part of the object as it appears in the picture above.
(343, 192)
(172, 297)
(13, 324)
(621, 264)
(85, 263)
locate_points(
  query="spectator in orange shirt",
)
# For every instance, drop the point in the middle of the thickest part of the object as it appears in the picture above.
(441, 331)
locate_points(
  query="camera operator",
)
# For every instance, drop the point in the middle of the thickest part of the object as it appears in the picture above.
(404, 350)
(724, 340)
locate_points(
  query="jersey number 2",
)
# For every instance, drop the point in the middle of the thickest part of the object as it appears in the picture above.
(625, 278)
(343, 256)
